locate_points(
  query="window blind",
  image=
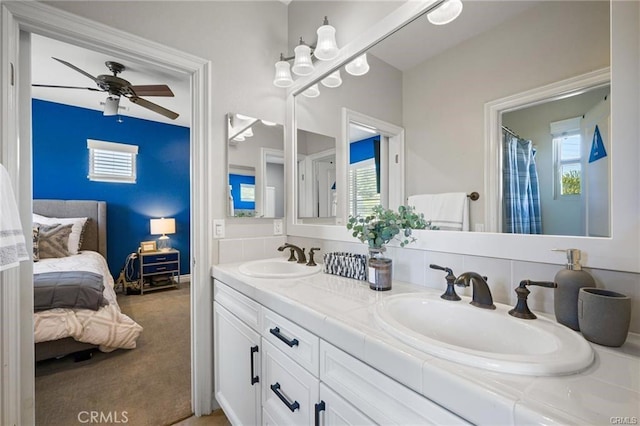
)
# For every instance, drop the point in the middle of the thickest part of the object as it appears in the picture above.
(112, 162)
(363, 188)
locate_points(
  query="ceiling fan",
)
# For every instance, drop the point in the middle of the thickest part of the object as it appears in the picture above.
(118, 87)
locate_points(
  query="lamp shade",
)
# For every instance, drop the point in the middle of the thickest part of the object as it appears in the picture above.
(359, 66)
(302, 65)
(447, 12)
(163, 226)
(111, 105)
(326, 47)
(312, 91)
(283, 74)
(332, 80)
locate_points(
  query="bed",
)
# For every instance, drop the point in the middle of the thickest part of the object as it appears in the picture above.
(64, 331)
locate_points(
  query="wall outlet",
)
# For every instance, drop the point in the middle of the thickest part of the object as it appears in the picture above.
(218, 228)
(277, 227)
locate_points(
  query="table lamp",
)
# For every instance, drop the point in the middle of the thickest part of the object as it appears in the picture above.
(163, 226)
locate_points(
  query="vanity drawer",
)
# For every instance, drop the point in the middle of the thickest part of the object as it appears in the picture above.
(289, 392)
(291, 339)
(242, 307)
(384, 400)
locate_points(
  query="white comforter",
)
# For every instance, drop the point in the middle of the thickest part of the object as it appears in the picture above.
(107, 327)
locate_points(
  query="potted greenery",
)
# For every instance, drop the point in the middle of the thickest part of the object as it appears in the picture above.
(380, 227)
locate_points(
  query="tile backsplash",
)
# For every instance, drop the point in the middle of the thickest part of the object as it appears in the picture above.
(504, 275)
(412, 266)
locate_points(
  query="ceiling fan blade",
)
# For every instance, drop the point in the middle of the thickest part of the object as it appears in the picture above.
(153, 107)
(68, 87)
(152, 90)
(76, 69)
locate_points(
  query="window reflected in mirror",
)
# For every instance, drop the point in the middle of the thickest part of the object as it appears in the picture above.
(255, 167)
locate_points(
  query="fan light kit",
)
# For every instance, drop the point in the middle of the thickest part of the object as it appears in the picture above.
(326, 49)
(117, 87)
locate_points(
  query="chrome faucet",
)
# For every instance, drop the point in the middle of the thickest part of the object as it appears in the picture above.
(481, 293)
(302, 258)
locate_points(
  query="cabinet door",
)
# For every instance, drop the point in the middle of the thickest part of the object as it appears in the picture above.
(334, 410)
(236, 368)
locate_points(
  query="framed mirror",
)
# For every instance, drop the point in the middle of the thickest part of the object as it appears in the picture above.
(255, 167)
(492, 51)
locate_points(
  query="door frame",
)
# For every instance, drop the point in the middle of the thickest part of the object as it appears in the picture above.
(19, 19)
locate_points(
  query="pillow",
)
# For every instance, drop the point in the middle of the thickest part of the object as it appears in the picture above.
(36, 237)
(53, 240)
(75, 239)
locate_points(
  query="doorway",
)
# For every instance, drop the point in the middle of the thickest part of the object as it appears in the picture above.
(19, 21)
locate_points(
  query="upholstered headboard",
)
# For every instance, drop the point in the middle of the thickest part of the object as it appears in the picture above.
(95, 231)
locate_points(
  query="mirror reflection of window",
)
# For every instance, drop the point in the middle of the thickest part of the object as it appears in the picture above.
(568, 167)
(364, 176)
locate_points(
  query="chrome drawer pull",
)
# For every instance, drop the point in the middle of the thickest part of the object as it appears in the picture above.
(276, 332)
(276, 389)
(254, 379)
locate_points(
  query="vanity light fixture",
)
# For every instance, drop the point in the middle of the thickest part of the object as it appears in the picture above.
(359, 66)
(332, 80)
(325, 49)
(268, 123)
(312, 92)
(446, 12)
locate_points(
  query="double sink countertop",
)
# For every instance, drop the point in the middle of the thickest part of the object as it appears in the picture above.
(341, 311)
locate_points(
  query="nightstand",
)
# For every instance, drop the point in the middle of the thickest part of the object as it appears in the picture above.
(159, 269)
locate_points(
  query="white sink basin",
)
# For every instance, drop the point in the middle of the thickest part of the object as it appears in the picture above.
(277, 268)
(488, 339)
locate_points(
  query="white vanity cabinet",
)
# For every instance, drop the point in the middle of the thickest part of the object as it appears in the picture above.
(303, 380)
(237, 357)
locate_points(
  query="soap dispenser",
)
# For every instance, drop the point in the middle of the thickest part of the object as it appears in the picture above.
(570, 280)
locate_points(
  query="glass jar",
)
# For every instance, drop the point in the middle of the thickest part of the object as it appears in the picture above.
(379, 270)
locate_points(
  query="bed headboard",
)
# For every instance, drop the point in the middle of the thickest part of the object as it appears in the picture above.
(95, 231)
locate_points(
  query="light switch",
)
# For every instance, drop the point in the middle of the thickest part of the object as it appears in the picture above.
(277, 227)
(218, 228)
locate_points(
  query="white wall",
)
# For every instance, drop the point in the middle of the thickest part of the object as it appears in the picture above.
(548, 43)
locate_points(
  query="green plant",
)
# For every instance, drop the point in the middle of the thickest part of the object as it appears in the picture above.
(381, 226)
(571, 182)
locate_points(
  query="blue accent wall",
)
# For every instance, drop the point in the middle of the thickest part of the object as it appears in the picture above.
(61, 167)
(235, 181)
(362, 150)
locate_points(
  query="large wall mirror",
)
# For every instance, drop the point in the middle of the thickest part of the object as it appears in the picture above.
(435, 83)
(255, 167)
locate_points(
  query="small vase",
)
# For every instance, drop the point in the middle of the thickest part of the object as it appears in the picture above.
(380, 270)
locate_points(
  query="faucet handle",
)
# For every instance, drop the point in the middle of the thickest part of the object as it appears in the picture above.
(312, 251)
(292, 255)
(521, 310)
(450, 293)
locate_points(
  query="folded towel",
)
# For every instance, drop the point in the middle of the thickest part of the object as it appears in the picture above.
(12, 243)
(448, 211)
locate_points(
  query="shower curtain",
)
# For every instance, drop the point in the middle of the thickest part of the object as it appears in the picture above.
(521, 195)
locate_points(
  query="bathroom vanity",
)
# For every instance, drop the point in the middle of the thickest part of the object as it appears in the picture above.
(305, 349)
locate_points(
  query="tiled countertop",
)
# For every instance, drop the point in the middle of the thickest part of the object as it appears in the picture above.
(340, 311)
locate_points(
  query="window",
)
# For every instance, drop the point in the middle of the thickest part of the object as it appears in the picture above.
(363, 188)
(567, 145)
(112, 162)
(247, 192)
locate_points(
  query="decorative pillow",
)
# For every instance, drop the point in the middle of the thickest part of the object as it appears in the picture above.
(53, 240)
(75, 239)
(36, 237)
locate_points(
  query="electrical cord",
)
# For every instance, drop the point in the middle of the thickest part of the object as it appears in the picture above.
(129, 267)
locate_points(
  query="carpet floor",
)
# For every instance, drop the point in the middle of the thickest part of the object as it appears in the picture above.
(149, 385)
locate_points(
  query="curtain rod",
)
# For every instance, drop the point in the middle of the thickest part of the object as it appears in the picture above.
(506, 129)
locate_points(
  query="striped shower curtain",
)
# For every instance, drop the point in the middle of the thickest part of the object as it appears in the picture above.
(521, 195)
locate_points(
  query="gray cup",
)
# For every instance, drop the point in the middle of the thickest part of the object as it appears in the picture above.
(604, 316)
